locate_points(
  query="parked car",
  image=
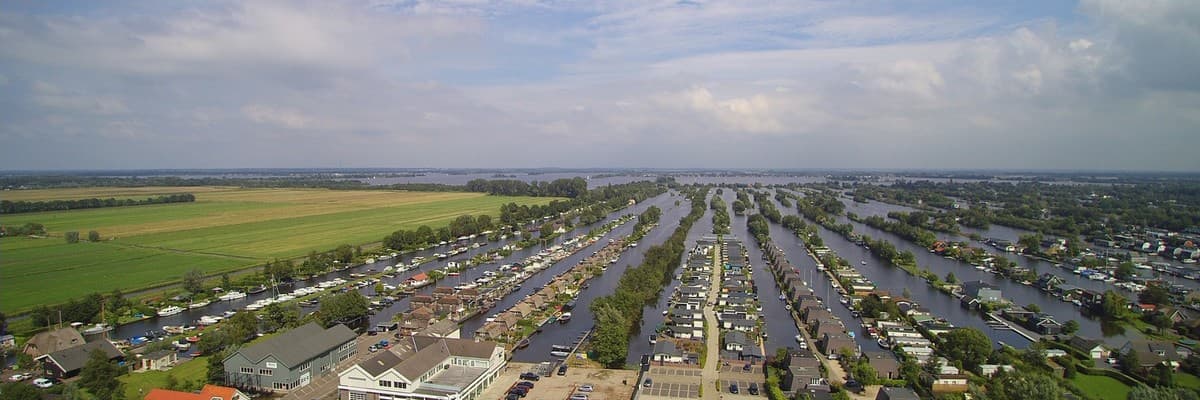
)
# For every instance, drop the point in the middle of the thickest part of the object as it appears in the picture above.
(562, 370)
(733, 388)
(19, 377)
(43, 383)
(579, 396)
(525, 384)
(753, 388)
(517, 390)
(529, 376)
(512, 396)
(585, 388)
(647, 383)
(747, 367)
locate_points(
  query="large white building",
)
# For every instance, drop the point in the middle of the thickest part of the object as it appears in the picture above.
(425, 368)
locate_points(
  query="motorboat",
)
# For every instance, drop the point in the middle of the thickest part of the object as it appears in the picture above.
(198, 304)
(234, 295)
(653, 339)
(172, 310)
(564, 318)
(560, 353)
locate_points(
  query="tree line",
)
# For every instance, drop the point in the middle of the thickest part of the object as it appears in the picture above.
(617, 314)
(18, 207)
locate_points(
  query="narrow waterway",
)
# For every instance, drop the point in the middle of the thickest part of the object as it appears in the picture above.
(605, 284)
(896, 281)
(780, 328)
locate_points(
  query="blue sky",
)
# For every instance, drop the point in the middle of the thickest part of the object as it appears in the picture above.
(1095, 84)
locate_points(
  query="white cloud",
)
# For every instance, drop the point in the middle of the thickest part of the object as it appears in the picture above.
(49, 95)
(283, 117)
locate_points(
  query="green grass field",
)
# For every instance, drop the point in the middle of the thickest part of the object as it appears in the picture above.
(223, 230)
(138, 384)
(1101, 387)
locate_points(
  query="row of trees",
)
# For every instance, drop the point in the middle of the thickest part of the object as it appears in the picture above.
(17, 207)
(617, 314)
(720, 218)
(73, 236)
(29, 228)
(569, 188)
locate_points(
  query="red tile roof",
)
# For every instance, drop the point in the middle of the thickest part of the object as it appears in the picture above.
(208, 393)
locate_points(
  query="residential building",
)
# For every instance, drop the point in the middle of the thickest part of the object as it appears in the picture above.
(1092, 347)
(949, 383)
(425, 368)
(290, 360)
(1152, 352)
(66, 363)
(896, 393)
(665, 351)
(983, 291)
(52, 341)
(884, 363)
(161, 360)
(210, 392)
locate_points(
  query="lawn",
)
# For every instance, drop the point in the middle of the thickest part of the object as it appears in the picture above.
(225, 229)
(1187, 380)
(139, 383)
(1101, 387)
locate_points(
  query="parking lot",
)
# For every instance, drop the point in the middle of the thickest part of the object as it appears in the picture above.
(736, 373)
(607, 384)
(677, 390)
(740, 368)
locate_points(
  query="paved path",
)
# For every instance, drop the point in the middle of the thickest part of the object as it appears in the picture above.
(712, 338)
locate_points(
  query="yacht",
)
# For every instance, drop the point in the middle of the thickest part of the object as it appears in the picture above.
(234, 295)
(172, 310)
(566, 317)
(198, 304)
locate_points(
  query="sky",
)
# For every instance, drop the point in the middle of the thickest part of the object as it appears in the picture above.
(923, 84)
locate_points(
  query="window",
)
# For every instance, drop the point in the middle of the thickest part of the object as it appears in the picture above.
(247, 370)
(402, 385)
(265, 372)
(385, 383)
(281, 386)
(358, 396)
(306, 366)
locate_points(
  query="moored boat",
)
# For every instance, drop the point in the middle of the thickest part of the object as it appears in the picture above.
(566, 317)
(198, 304)
(172, 310)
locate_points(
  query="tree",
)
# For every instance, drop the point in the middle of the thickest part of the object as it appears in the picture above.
(241, 327)
(225, 281)
(216, 368)
(193, 280)
(99, 376)
(20, 391)
(277, 315)
(71, 237)
(342, 307)
(1033, 307)
(1031, 243)
(1142, 392)
(379, 287)
(967, 345)
(3, 324)
(1130, 362)
(1070, 327)
(343, 253)
(1125, 271)
(1113, 305)
(950, 278)
(1155, 294)
(1161, 321)
(1018, 385)
(93, 236)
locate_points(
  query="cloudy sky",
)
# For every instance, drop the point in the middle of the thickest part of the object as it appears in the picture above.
(1030, 84)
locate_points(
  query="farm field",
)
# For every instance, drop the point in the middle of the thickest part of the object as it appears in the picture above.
(225, 229)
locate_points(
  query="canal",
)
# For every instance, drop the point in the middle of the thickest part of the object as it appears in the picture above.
(603, 285)
(896, 281)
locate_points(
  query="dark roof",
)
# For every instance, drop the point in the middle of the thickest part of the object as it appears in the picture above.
(380, 363)
(735, 337)
(666, 347)
(74, 358)
(299, 345)
(896, 393)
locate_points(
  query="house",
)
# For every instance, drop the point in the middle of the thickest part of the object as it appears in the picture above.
(440, 291)
(991, 369)
(835, 342)
(896, 393)
(751, 352)
(52, 341)
(949, 383)
(422, 367)
(828, 326)
(884, 363)
(66, 363)
(740, 324)
(421, 300)
(8, 341)
(735, 341)
(161, 360)
(1092, 347)
(445, 329)
(290, 360)
(1152, 352)
(210, 392)
(448, 305)
(665, 351)
(983, 291)
(1046, 325)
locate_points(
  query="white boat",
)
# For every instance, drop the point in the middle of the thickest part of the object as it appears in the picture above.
(210, 319)
(234, 295)
(172, 310)
(799, 338)
(864, 262)
(566, 317)
(198, 304)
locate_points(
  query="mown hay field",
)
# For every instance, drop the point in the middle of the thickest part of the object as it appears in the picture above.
(225, 229)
